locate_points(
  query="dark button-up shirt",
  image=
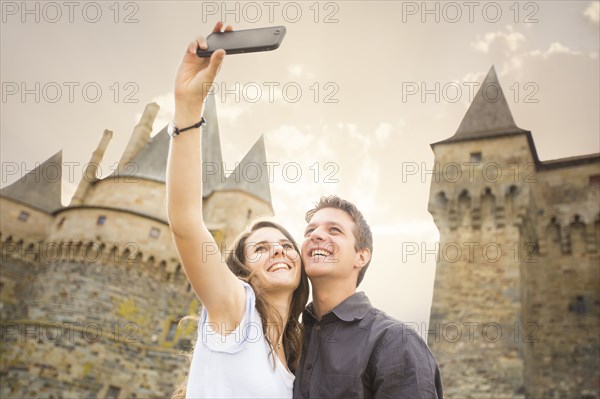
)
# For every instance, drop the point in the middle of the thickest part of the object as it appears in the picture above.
(357, 351)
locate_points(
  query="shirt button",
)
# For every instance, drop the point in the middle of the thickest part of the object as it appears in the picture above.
(318, 328)
(309, 367)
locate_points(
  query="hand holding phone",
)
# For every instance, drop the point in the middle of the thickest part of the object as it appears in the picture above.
(244, 41)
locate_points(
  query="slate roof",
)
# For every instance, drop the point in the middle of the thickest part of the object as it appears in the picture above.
(41, 187)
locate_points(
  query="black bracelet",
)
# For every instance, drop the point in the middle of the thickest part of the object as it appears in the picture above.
(177, 131)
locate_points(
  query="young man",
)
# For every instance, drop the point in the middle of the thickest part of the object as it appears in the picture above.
(351, 349)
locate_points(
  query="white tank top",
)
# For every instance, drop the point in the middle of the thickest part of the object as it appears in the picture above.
(237, 365)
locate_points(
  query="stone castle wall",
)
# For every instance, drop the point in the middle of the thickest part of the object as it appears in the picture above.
(475, 325)
(540, 292)
(147, 239)
(130, 193)
(92, 295)
(230, 212)
(76, 328)
(34, 228)
(562, 299)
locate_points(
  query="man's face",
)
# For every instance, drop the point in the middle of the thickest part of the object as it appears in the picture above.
(328, 247)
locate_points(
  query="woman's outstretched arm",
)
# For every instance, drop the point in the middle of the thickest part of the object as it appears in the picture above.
(221, 293)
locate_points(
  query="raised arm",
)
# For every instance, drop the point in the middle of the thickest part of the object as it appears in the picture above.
(221, 293)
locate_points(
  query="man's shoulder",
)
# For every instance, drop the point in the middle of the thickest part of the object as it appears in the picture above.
(394, 331)
(401, 362)
(385, 322)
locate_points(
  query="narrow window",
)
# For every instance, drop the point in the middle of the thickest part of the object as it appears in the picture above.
(154, 232)
(580, 305)
(113, 392)
(101, 220)
(595, 180)
(172, 331)
(475, 157)
(23, 216)
(441, 199)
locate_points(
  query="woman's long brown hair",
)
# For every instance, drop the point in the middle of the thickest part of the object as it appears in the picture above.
(292, 329)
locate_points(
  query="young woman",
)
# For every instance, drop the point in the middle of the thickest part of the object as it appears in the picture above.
(249, 337)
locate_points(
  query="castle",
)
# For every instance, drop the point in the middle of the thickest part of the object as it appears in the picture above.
(91, 293)
(516, 302)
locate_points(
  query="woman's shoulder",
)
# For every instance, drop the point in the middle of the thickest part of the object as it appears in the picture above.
(211, 334)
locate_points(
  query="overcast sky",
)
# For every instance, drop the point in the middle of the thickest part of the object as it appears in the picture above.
(357, 91)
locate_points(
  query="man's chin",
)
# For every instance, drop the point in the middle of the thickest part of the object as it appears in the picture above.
(317, 269)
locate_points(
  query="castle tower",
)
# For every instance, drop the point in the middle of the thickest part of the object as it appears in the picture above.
(103, 289)
(231, 203)
(489, 199)
(27, 204)
(244, 196)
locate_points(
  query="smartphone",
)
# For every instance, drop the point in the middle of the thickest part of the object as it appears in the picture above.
(244, 41)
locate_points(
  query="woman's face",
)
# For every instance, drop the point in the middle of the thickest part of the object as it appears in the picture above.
(274, 258)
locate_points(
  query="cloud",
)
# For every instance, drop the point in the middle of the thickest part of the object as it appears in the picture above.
(555, 48)
(300, 71)
(296, 70)
(506, 46)
(381, 134)
(592, 13)
(511, 40)
(353, 173)
(500, 45)
(413, 228)
(365, 186)
(296, 141)
(231, 112)
(473, 77)
(383, 131)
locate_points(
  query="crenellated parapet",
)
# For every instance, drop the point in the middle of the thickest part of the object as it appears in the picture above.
(478, 206)
(569, 234)
(126, 255)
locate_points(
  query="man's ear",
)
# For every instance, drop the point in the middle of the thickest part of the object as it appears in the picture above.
(363, 257)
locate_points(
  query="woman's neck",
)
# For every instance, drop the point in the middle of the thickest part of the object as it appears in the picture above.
(281, 301)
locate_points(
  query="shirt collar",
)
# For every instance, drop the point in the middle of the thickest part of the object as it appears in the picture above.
(355, 307)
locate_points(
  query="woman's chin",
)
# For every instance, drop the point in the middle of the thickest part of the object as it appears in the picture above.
(281, 282)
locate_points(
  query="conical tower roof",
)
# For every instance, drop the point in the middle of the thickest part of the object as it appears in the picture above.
(488, 115)
(212, 158)
(252, 175)
(151, 162)
(40, 188)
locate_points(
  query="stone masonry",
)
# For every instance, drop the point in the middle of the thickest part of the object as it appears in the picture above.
(516, 305)
(92, 294)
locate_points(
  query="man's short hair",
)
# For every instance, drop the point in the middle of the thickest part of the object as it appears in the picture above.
(362, 232)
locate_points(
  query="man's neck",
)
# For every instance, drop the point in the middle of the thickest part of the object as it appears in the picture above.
(327, 294)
